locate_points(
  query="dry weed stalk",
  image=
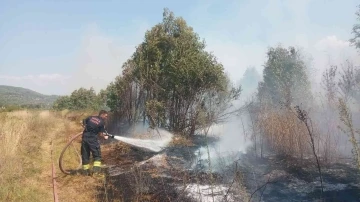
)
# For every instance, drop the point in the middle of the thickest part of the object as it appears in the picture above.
(302, 115)
(346, 119)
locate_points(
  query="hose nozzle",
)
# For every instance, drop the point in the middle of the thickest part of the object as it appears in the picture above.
(107, 134)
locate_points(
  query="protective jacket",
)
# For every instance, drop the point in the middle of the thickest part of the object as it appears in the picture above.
(93, 126)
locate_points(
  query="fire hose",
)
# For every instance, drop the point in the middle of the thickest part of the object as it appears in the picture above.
(66, 147)
(62, 154)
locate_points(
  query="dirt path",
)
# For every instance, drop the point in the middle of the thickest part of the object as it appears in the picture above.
(46, 157)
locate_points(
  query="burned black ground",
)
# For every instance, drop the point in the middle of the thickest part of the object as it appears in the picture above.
(132, 178)
(127, 180)
(289, 180)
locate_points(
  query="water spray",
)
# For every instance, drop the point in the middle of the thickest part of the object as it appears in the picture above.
(150, 144)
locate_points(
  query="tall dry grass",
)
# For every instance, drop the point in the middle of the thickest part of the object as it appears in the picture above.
(25, 160)
(22, 145)
(284, 133)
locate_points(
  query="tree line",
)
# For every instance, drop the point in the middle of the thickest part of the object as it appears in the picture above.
(171, 81)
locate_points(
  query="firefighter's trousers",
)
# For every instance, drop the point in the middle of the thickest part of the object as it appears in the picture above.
(90, 145)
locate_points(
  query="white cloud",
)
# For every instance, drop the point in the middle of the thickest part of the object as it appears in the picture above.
(331, 42)
(101, 57)
(98, 62)
(330, 50)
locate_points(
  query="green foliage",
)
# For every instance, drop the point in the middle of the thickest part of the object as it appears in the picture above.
(81, 99)
(285, 78)
(356, 31)
(63, 102)
(113, 100)
(156, 112)
(349, 82)
(329, 84)
(170, 78)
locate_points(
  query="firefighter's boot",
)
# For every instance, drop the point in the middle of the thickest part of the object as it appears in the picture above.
(97, 169)
(85, 170)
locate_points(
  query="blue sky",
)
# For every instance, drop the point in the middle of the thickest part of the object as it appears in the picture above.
(54, 47)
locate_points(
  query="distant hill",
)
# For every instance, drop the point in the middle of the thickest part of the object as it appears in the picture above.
(10, 95)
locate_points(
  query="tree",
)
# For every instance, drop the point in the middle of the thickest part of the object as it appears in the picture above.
(329, 84)
(250, 80)
(349, 82)
(80, 99)
(83, 99)
(63, 102)
(356, 31)
(169, 77)
(126, 96)
(285, 80)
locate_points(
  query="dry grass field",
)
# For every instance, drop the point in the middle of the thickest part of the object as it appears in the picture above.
(26, 140)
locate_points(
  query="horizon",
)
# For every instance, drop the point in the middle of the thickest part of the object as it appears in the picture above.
(55, 48)
(2, 85)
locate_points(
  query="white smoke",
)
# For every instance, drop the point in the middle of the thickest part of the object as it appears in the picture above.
(232, 143)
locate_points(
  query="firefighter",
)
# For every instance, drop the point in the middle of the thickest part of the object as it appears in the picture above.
(94, 126)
